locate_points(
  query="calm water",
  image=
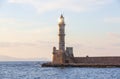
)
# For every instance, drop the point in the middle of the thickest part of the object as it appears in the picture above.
(33, 70)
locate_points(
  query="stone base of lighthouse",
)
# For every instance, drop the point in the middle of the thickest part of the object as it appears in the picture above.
(60, 57)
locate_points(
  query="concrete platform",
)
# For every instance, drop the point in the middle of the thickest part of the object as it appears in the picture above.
(98, 65)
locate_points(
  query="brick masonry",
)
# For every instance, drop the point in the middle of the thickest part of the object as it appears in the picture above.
(103, 60)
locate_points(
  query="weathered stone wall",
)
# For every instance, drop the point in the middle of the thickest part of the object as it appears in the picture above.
(58, 57)
(69, 59)
(97, 60)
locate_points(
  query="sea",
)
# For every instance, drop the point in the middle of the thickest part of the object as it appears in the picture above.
(33, 70)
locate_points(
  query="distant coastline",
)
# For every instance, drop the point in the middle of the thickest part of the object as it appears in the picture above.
(8, 58)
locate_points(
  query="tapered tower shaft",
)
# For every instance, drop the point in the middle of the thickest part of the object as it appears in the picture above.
(61, 33)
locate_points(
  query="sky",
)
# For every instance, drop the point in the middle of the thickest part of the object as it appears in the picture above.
(29, 28)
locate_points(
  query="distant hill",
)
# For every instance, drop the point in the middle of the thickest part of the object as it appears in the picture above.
(8, 58)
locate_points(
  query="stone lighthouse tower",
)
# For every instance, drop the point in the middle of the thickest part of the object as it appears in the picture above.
(61, 33)
(59, 55)
(62, 55)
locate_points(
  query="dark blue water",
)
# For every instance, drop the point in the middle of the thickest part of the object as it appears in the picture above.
(33, 70)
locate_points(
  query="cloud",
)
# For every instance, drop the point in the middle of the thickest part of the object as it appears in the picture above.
(27, 44)
(20, 43)
(105, 46)
(13, 35)
(17, 23)
(113, 35)
(70, 5)
(117, 44)
(112, 20)
(12, 30)
(114, 39)
(16, 44)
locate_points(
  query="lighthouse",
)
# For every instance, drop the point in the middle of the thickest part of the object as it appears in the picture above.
(62, 55)
(61, 25)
